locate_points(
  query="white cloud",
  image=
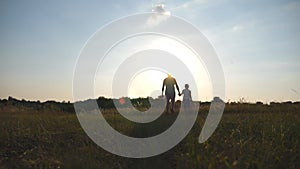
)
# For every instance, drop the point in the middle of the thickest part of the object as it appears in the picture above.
(155, 19)
(159, 15)
(160, 8)
(247, 25)
(237, 28)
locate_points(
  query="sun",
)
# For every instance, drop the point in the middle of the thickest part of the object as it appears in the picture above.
(146, 83)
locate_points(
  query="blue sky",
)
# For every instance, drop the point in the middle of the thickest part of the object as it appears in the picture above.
(257, 43)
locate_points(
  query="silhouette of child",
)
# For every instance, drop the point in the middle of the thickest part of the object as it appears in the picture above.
(187, 96)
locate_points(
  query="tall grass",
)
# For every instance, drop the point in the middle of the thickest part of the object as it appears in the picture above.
(250, 137)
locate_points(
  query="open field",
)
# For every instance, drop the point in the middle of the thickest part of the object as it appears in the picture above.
(248, 136)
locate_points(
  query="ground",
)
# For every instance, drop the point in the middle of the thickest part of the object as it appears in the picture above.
(248, 136)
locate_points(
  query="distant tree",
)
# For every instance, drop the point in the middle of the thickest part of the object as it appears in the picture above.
(259, 103)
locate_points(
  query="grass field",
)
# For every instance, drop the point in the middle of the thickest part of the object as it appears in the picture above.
(247, 137)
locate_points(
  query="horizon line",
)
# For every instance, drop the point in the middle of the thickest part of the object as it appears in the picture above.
(241, 100)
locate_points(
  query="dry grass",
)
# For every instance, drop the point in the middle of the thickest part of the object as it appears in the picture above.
(245, 138)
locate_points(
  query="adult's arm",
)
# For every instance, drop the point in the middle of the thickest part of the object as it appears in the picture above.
(177, 87)
(163, 86)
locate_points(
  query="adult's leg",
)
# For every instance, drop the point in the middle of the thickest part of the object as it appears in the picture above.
(168, 103)
(173, 102)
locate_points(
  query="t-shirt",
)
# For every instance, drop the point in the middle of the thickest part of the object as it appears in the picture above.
(170, 82)
(186, 94)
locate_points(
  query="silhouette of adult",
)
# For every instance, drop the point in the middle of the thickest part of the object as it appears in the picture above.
(170, 82)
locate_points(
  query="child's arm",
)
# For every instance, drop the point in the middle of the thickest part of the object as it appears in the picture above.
(190, 95)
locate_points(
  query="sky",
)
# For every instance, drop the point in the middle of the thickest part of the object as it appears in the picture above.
(257, 43)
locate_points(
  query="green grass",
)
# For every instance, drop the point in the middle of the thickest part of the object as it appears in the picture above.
(243, 139)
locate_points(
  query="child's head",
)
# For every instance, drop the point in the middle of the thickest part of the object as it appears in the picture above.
(186, 86)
